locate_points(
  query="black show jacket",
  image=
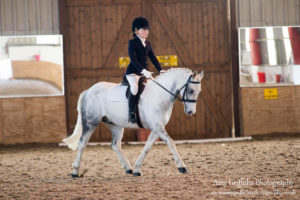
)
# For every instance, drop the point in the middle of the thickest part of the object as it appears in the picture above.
(138, 56)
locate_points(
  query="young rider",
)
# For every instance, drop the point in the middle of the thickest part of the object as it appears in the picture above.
(139, 49)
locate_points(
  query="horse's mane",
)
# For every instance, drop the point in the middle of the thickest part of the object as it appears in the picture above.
(172, 70)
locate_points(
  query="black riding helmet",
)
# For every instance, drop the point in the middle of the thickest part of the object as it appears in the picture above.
(140, 22)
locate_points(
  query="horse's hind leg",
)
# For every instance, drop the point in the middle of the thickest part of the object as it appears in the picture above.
(86, 134)
(117, 135)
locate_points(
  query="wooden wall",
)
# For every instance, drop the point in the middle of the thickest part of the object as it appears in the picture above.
(39, 119)
(29, 120)
(262, 116)
(259, 115)
(253, 13)
(96, 34)
(29, 17)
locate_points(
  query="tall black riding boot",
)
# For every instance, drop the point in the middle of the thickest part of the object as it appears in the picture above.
(132, 108)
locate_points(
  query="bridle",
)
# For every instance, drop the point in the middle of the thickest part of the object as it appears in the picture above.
(185, 87)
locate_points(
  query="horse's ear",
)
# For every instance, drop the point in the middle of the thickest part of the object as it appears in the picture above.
(194, 74)
(201, 74)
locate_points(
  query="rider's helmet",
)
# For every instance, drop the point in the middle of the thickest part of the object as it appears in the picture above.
(140, 22)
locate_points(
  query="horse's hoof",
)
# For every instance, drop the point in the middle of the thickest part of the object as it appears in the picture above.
(74, 175)
(182, 170)
(137, 174)
(129, 171)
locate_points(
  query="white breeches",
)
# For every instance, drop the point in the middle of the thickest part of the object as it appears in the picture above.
(133, 80)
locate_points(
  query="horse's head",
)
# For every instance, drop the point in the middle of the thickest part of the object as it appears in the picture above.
(191, 92)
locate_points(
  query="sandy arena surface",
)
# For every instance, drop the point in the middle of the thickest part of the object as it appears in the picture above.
(265, 168)
(27, 87)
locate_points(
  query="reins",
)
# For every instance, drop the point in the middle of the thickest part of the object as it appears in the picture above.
(185, 86)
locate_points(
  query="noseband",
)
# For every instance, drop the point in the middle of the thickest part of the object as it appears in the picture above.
(185, 87)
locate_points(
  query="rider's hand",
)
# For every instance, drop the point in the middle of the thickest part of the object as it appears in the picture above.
(146, 73)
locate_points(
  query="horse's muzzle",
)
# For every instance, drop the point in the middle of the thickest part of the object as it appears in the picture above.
(190, 113)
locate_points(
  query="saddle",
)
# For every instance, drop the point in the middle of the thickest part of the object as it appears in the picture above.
(141, 86)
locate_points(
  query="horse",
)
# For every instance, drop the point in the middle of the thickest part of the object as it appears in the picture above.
(106, 102)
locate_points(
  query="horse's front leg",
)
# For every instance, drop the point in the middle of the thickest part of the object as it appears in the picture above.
(169, 141)
(151, 139)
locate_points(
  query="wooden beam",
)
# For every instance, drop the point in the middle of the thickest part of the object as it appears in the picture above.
(100, 2)
(235, 69)
(92, 73)
(181, 1)
(123, 32)
(172, 33)
(100, 72)
(208, 68)
(63, 23)
(1, 121)
(211, 68)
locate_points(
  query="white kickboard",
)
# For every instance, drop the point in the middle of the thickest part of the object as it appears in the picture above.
(117, 94)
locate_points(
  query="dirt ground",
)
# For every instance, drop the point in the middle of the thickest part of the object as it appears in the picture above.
(264, 168)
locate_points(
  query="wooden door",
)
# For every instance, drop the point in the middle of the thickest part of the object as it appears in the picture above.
(97, 32)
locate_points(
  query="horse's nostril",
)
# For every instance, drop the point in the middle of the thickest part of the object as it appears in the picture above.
(190, 112)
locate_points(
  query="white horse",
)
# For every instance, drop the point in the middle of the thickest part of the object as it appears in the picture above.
(106, 102)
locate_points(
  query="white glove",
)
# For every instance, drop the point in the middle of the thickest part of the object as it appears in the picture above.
(146, 73)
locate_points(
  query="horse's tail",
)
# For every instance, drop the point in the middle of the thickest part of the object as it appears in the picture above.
(72, 140)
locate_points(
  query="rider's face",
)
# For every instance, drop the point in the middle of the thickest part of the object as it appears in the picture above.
(143, 33)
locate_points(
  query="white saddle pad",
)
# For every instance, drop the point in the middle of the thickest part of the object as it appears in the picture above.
(118, 94)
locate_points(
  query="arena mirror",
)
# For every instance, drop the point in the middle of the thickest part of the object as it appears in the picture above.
(31, 66)
(269, 56)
